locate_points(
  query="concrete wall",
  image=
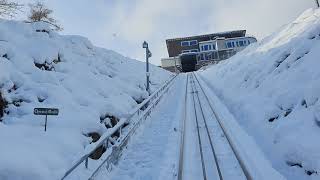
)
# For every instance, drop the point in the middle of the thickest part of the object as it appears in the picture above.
(169, 62)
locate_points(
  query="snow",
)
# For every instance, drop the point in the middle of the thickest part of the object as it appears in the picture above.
(258, 166)
(152, 153)
(85, 82)
(272, 89)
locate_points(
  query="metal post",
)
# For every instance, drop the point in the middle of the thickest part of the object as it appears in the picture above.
(87, 162)
(45, 124)
(147, 69)
(148, 55)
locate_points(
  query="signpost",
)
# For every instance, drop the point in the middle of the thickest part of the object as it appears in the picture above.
(46, 112)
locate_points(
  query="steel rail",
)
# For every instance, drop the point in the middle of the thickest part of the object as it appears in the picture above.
(198, 132)
(181, 152)
(105, 137)
(227, 135)
(209, 137)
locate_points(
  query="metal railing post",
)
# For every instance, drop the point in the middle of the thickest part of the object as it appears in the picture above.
(87, 162)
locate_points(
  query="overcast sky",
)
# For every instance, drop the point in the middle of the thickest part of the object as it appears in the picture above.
(122, 25)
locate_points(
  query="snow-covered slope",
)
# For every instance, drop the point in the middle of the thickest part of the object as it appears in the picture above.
(273, 89)
(40, 68)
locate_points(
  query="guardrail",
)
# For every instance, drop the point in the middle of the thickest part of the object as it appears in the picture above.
(147, 105)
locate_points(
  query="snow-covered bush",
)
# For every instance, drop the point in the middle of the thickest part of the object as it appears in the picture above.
(40, 68)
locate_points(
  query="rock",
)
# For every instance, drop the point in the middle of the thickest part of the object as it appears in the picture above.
(3, 105)
(100, 150)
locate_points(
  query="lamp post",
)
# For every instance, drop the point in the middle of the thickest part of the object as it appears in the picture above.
(148, 55)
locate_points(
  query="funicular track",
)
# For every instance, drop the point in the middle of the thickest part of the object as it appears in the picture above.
(218, 156)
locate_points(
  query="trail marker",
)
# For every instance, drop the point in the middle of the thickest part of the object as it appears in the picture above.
(46, 112)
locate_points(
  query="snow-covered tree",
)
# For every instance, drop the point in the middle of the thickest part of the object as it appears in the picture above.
(9, 8)
(40, 12)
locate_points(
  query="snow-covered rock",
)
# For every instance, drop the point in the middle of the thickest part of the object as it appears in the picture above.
(273, 90)
(40, 68)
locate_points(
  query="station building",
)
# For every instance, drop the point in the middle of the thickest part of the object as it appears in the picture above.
(210, 48)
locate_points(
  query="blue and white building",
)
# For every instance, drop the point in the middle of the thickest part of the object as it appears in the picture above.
(210, 48)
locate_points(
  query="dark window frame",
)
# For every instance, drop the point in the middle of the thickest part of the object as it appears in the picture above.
(193, 42)
(183, 45)
(229, 44)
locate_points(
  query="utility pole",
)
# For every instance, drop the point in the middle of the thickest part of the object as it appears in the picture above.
(148, 55)
(317, 2)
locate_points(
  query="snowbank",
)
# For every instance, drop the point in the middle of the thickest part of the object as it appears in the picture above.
(40, 68)
(273, 90)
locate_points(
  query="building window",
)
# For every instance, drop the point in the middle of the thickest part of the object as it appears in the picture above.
(190, 50)
(233, 44)
(207, 47)
(229, 45)
(185, 43)
(245, 43)
(241, 43)
(238, 44)
(248, 42)
(193, 42)
(189, 43)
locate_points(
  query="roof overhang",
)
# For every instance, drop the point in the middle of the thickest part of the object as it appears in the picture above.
(230, 34)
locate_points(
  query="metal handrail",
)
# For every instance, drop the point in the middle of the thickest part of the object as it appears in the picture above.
(117, 149)
(105, 137)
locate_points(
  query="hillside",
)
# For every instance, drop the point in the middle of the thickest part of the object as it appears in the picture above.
(40, 68)
(273, 90)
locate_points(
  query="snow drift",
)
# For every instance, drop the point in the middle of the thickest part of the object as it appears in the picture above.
(273, 90)
(40, 68)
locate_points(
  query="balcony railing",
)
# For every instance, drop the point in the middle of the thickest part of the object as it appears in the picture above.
(216, 55)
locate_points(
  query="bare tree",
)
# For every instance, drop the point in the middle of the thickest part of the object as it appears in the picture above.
(40, 12)
(317, 2)
(8, 8)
